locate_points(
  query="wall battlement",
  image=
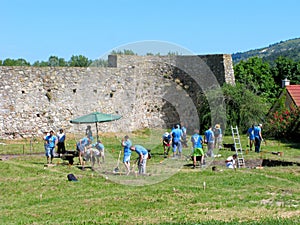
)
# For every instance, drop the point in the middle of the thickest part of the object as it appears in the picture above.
(38, 98)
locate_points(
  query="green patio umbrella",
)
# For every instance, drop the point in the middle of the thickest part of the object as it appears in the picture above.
(96, 117)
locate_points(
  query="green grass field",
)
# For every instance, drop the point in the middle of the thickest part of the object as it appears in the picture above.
(34, 194)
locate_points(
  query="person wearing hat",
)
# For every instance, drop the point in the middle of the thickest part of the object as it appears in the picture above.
(258, 137)
(61, 137)
(166, 143)
(218, 136)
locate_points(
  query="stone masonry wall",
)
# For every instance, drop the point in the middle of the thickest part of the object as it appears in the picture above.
(34, 99)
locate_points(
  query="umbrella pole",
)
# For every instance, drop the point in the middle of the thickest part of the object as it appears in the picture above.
(97, 132)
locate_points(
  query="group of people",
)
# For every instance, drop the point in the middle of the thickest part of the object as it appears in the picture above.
(90, 152)
(212, 138)
(255, 137)
(177, 139)
(51, 141)
(142, 152)
(86, 150)
(178, 136)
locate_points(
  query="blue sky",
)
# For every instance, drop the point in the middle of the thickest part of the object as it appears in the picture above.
(35, 30)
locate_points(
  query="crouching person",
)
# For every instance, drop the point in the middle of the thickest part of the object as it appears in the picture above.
(230, 161)
(81, 147)
(143, 156)
(99, 151)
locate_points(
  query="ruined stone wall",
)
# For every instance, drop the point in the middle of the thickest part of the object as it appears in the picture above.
(136, 87)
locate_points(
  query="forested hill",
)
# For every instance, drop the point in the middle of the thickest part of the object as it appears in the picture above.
(289, 49)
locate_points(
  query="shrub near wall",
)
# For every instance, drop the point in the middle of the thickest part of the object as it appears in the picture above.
(283, 124)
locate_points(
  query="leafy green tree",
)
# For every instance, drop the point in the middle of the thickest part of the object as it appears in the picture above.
(211, 108)
(173, 53)
(79, 61)
(9, 62)
(62, 62)
(286, 68)
(257, 77)
(40, 64)
(22, 62)
(13, 62)
(243, 107)
(124, 52)
(53, 61)
(100, 63)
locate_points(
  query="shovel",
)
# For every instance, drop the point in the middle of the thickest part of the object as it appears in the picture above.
(117, 168)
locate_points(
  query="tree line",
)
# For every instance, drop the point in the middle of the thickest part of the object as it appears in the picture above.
(55, 61)
(74, 61)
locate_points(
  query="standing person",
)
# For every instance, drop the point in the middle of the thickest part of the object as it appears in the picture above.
(166, 139)
(230, 161)
(61, 149)
(258, 137)
(51, 141)
(197, 142)
(184, 136)
(176, 140)
(209, 140)
(251, 137)
(143, 156)
(45, 134)
(81, 147)
(126, 143)
(218, 136)
(89, 133)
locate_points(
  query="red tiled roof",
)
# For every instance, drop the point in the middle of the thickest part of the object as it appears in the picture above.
(294, 91)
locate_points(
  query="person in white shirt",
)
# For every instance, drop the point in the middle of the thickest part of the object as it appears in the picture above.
(230, 161)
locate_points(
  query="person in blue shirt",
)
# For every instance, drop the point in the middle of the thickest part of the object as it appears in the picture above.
(209, 139)
(98, 152)
(126, 143)
(251, 137)
(258, 137)
(197, 142)
(143, 156)
(81, 147)
(94, 152)
(176, 140)
(51, 141)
